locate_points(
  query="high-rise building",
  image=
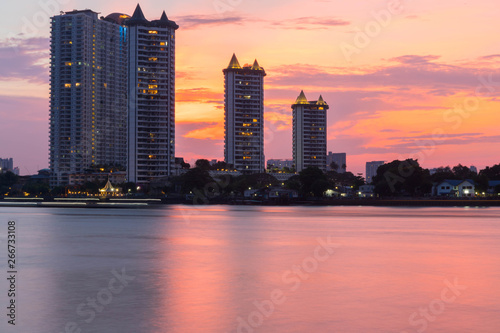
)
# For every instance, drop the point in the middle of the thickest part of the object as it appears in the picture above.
(371, 170)
(151, 92)
(6, 164)
(244, 116)
(339, 159)
(309, 133)
(88, 87)
(112, 94)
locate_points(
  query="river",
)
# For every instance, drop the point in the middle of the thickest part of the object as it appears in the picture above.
(253, 269)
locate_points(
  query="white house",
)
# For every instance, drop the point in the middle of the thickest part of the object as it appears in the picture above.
(455, 188)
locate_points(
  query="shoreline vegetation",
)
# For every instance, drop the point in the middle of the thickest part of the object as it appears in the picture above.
(156, 202)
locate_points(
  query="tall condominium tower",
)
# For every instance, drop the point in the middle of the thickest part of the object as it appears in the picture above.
(151, 91)
(244, 116)
(371, 170)
(112, 94)
(339, 159)
(88, 86)
(309, 133)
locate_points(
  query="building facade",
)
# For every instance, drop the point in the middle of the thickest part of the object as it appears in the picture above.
(309, 133)
(455, 188)
(340, 160)
(6, 164)
(371, 170)
(151, 92)
(112, 94)
(280, 164)
(244, 116)
(88, 105)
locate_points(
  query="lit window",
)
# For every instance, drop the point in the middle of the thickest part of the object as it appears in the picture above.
(153, 59)
(153, 32)
(77, 84)
(67, 63)
(67, 85)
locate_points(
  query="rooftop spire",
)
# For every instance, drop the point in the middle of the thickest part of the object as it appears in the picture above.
(234, 63)
(164, 17)
(302, 98)
(138, 14)
(256, 66)
(321, 101)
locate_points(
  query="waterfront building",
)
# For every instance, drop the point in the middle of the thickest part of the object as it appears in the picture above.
(151, 93)
(371, 170)
(88, 82)
(244, 116)
(309, 133)
(339, 159)
(455, 188)
(112, 94)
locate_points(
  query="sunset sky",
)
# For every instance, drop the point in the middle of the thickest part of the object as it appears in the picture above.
(403, 78)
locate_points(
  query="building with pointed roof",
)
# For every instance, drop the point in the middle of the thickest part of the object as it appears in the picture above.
(244, 116)
(151, 95)
(112, 98)
(309, 133)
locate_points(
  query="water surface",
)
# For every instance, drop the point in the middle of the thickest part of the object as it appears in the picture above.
(255, 269)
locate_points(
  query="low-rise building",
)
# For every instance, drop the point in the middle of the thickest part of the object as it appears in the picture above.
(455, 188)
(494, 187)
(366, 191)
(82, 178)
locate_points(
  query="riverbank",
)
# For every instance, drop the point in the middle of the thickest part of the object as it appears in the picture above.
(156, 202)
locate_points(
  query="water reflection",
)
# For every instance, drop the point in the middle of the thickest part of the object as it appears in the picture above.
(220, 269)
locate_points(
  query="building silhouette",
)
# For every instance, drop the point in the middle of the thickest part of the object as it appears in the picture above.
(244, 116)
(309, 133)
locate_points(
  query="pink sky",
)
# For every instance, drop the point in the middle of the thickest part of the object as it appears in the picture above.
(422, 81)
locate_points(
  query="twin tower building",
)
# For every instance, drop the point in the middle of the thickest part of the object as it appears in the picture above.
(112, 101)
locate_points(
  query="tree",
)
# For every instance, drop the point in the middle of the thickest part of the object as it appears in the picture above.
(308, 177)
(293, 183)
(220, 165)
(441, 174)
(345, 179)
(195, 179)
(493, 173)
(36, 188)
(463, 172)
(402, 178)
(129, 187)
(7, 180)
(334, 166)
(203, 164)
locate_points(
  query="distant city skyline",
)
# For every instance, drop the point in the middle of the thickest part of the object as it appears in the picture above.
(434, 98)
